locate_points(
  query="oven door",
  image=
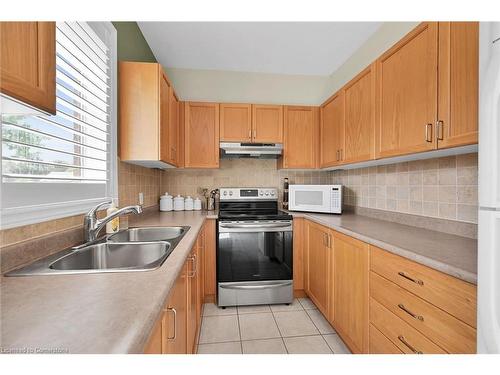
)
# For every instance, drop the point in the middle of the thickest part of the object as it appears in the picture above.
(254, 251)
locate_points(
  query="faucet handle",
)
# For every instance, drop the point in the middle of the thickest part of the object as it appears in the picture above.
(93, 212)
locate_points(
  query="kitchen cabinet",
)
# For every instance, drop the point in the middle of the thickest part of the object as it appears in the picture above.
(350, 291)
(235, 122)
(173, 129)
(192, 311)
(174, 321)
(148, 129)
(332, 130)
(379, 344)
(201, 135)
(458, 88)
(318, 248)
(209, 274)
(359, 117)
(267, 123)
(298, 254)
(300, 140)
(407, 93)
(28, 63)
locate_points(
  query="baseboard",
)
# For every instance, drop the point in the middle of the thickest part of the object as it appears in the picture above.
(299, 293)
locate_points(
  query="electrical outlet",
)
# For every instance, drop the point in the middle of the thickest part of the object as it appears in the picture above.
(141, 199)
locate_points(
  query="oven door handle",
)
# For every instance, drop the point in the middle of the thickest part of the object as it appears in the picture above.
(253, 287)
(285, 227)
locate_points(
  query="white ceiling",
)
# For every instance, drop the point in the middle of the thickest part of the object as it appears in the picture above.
(308, 48)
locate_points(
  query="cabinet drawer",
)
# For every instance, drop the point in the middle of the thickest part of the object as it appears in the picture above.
(379, 344)
(404, 336)
(445, 330)
(454, 296)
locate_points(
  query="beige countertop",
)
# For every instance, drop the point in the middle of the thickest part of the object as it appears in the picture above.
(93, 313)
(114, 312)
(453, 255)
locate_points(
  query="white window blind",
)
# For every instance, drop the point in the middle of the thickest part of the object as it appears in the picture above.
(65, 163)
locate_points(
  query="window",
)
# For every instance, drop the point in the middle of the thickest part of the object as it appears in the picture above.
(55, 166)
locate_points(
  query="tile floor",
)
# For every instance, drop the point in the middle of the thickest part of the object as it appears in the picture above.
(298, 328)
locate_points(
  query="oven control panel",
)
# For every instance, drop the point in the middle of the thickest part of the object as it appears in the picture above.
(248, 194)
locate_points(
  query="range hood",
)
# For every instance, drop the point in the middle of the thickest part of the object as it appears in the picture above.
(250, 150)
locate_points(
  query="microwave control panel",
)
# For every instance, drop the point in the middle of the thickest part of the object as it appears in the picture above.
(336, 198)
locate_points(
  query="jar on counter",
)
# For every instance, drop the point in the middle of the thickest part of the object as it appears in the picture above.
(166, 202)
(197, 204)
(179, 203)
(188, 203)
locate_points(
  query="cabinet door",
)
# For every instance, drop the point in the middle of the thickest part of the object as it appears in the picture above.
(165, 142)
(209, 285)
(200, 275)
(298, 253)
(28, 63)
(351, 291)
(360, 118)
(192, 305)
(332, 130)
(154, 344)
(300, 137)
(317, 283)
(175, 317)
(173, 127)
(201, 135)
(267, 123)
(407, 89)
(236, 122)
(458, 84)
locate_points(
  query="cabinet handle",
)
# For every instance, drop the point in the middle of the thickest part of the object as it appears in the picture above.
(255, 133)
(403, 340)
(175, 322)
(249, 133)
(428, 133)
(416, 281)
(194, 265)
(338, 155)
(418, 317)
(439, 130)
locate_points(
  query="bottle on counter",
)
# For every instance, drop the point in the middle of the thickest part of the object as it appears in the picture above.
(114, 225)
(197, 204)
(166, 202)
(285, 193)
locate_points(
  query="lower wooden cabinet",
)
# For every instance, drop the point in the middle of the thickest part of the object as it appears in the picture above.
(317, 267)
(379, 344)
(177, 328)
(350, 295)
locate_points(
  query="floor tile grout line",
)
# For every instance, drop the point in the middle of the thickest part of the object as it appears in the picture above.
(321, 333)
(239, 331)
(328, 345)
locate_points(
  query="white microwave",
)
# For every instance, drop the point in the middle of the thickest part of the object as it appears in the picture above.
(315, 198)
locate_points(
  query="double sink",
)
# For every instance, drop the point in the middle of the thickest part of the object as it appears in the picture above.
(134, 249)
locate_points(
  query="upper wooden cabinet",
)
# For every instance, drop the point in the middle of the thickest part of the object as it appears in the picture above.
(267, 123)
(235, 122)
(301, 130)
(201, 134)
(407, 89)
(351, 291)
(332, 130)
(458, 84)
(148, 128)
(359, 117)
(28, 63)
(317, 265)
(173, 128)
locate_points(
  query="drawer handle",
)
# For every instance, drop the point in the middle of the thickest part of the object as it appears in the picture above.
(416, 281)
(419, 317)
(194, 266)
(408, 345)
(175, 322)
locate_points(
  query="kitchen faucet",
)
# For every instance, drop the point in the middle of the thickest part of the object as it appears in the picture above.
(92, 225)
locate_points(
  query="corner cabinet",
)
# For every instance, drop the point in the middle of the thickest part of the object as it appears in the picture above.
(28, 63)
(148, 120)
(332, 130)
(300, 141)
(201, 135)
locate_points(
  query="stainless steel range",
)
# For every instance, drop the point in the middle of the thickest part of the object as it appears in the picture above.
(254, 248)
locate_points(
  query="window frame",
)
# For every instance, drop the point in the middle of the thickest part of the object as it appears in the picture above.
(25, 214)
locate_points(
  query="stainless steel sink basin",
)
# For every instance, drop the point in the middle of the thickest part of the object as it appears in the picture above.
(136, 249)
(148, 234)
(105, 256)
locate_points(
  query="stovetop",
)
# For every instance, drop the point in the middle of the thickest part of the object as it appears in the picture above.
(254, 215)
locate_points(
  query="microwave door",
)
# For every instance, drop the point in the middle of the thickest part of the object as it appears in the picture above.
(311, 200)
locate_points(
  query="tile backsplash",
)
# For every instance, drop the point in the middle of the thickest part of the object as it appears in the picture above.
(444, 188)
(237, 173)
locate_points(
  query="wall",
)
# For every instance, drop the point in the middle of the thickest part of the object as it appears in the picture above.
(236, 173)
(235, 87)
(444, 188)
